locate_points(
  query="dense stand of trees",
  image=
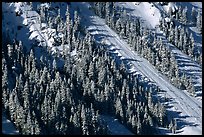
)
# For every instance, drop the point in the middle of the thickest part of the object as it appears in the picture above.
(41, 98)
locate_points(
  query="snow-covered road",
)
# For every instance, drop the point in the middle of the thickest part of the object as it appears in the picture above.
(187, 105)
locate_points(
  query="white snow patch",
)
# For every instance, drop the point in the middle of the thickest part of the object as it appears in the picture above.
(74, 52)
(167, 19)
(148, 12)
(115, 127)
(190, 130)
(46, 5)
(170, 7)
(197, 4)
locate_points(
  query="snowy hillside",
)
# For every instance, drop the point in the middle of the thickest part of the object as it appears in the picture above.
(136, 64)
(142, 66)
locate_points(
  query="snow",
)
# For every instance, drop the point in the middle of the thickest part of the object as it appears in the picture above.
(33, 35)
(195, 29)
(167, 19)
(115, 127)
(74, 52)
(170, 7)
(31, 20)
(145, 10)
(18, 5)
(187, 130)
(12, 21)
(197, 4)
(8, 127)
(46, 5)
(190, 130)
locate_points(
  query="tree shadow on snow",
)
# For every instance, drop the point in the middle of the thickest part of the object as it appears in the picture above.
(179, 119)
(131, 59)
(102, 36)
(181, 122)
(184, 60)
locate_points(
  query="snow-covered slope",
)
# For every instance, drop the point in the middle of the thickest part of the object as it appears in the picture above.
(185, 105)
(31, 30)
(115, 127)
(187, 109)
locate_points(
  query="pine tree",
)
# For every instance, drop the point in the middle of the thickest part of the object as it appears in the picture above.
(185, 46)
(58, 80)
(107, 13)
(127, 32)
(26, 95)
(27, 125)
(139, 125)
(199, 22)
(193, 15)
(12, 105)
(84, 121)
(150, 121)
(92, 71)
(4, 76)
(67, 65)
(76, 21)
(76, 122)
(184, 16)
(43, 78)
(103, 76)
(171, 35)
(10, 51)
(20, 121)
(171, 125)
(118, 25)
(42, 14)
(176, 36)
(54, 64)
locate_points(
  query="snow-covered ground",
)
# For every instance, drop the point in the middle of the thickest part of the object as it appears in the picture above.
(190, 109)
(32, 30)
(144, 10)
(8, 127)
(115, 127)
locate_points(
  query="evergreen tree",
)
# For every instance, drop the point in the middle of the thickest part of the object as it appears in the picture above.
(103, 76)
(26, 95)
(184, 16)
(199, 22)
(193, 15)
